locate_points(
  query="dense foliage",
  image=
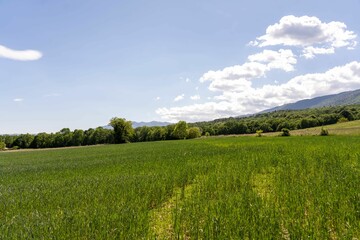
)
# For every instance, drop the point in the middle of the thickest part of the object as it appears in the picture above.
(123, 132)
(276, 121)
(215, 188)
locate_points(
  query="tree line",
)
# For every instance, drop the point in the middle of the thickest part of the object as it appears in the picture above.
(121, 130)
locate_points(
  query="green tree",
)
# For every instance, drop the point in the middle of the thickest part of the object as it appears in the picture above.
(123, 129)
(78, 137)
(180, 130)
(158, 133)
(194, 132)
(2, 146)
(24, 140)
(42, 140)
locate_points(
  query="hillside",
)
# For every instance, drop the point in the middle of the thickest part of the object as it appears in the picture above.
(344, 98)
(345, 128)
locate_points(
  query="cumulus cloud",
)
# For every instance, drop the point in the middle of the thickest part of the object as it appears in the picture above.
(179, 98)
(238, 78)
(283, 59)
(308, 32)
(234, 85)
(310, 52)
(233, 103)
(18, 100)
(23, 55)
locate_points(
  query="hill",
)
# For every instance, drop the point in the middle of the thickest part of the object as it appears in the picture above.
(344, 98)
(345, 128)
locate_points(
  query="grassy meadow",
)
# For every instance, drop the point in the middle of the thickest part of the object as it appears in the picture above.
(210, 188)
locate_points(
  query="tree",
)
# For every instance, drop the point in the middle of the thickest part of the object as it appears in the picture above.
(123, 129)
(24, 140)
(180, 130)
(158, 133)
(78, 137)
(194, 132)
(347, 114)
(2, 146)
(42, 140)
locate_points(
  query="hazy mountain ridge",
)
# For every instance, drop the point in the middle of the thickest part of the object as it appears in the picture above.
(142, 124)
(150, 124)
(344, 98)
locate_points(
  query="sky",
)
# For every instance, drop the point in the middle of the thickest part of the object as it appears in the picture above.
(77, 64)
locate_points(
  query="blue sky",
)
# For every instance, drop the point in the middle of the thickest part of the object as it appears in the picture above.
(79, 63)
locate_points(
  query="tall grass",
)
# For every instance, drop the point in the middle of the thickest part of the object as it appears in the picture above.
(216, 188)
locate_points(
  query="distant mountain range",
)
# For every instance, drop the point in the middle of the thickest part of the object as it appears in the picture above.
(142, 124)
(150, 124)
(344, 98)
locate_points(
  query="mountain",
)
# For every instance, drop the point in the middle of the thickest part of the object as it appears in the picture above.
(150, 124)
(142, 124)
(344, 98)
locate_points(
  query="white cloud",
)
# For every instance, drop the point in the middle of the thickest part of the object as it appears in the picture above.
(305, 32)
(195, 97)
(310, 52)
(234, 103)
(179, 98)
(238, 78)
(245, 71)
(18, 99)
(24, 55)
(157, 98)
(187, 80)
(234, 84)
(283, 59)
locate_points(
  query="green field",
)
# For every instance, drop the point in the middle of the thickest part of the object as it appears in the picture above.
(212, 188)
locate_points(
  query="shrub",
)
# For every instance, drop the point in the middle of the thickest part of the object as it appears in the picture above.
(342, 119)
(324, 132)
(285, 132)
(259, 132)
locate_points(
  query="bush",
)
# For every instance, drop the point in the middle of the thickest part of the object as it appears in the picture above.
(342, 119)
(324, 132)
(259, 132)
(285, 132)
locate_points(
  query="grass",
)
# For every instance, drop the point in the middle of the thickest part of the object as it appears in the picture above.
(345, 128)
(213, 188)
